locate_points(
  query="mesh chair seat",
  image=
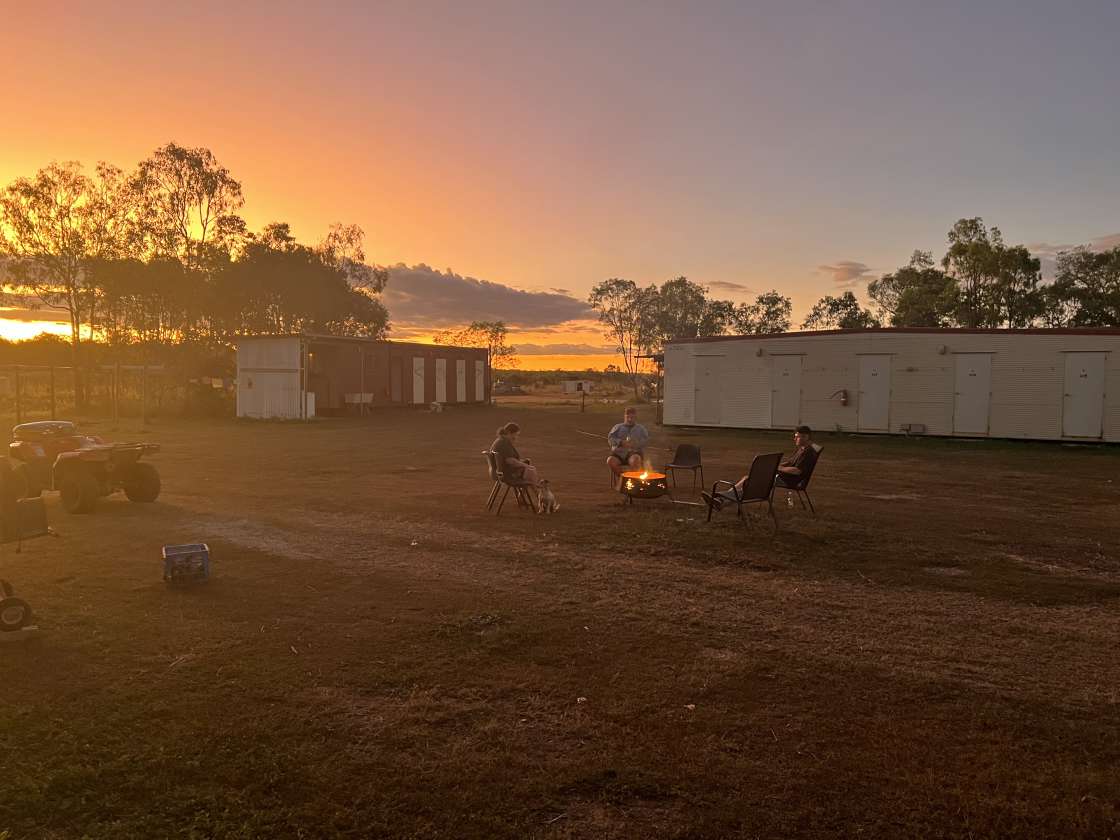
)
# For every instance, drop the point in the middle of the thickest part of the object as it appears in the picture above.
(756, 488)
(687, 457)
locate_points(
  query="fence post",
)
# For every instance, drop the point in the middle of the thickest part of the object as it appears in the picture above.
(144, 394)
(19, 401)
(116, 393)
(52, 393)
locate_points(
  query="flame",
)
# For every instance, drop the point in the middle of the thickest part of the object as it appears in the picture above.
(644, 475)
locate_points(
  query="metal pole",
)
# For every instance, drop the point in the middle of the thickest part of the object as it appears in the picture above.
(144, 394)
(19, 401)
(362, 390)
(116, 393)
(582, 399)
(52, 394)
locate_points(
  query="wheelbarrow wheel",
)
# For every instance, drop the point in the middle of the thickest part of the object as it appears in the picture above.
(15, 613)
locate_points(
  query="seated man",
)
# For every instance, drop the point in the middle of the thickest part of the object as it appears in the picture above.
(627, 441)
(789, 471)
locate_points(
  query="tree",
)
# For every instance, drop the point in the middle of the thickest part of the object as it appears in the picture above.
(1015, 300)
(916, 295)
(188, 201)
(683, 310)
(973, 262)
(842, 312)
(629, 314)
(770, 313)
(489, 334)
(56, 228)
(279, 285)
(1085, 291)
(342, 247)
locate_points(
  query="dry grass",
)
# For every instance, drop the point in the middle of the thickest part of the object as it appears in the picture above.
(935, 655)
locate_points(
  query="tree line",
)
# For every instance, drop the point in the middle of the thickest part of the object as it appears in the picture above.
(979, 282)
(159, 256)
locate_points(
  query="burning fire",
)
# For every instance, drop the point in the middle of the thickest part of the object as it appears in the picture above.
(644, 475)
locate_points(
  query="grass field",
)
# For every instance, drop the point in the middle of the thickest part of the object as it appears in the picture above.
(935, 655)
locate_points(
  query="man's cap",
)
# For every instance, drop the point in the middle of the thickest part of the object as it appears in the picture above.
(803, 430)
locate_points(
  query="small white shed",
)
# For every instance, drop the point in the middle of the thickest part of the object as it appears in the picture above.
(1032, 384)
(575, 386)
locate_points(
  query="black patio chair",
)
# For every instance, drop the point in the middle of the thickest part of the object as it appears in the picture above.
(520, 487)
(687, 457)
(758, 486)
(801, 485)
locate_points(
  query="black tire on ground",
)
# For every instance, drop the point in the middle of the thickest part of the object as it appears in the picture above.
(79, 492)
(14, 614)
(141, 483)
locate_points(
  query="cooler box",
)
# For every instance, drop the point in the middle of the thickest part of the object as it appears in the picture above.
(186, 563)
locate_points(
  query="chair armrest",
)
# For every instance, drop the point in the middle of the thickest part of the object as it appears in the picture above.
(730, 486)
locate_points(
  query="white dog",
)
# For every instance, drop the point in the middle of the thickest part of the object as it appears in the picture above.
(547, 498)
(436, 407)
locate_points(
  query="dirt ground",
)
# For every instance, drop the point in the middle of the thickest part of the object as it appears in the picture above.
(934, 655)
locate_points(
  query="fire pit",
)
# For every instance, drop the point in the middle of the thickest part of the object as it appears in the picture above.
(643, 485)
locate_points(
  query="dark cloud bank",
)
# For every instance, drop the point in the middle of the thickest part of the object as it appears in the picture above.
(419, 297)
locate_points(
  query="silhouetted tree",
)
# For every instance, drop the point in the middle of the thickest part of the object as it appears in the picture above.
(188, 203)
(1085, 291)
(770, 313)
(916, 295)
(489, 334)
(843, 312)
(629, 313)
(54, 228)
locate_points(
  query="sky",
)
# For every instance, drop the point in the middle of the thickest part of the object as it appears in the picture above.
(491, 150)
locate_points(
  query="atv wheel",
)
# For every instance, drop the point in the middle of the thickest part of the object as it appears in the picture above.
(141, 483)
(14, 614)
(25, 485)
(79, 492)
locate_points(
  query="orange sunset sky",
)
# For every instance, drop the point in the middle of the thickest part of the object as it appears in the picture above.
(526, 151)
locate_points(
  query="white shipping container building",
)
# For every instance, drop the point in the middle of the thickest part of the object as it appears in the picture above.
(1031, 384)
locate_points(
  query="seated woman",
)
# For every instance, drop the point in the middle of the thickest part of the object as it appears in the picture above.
(510, 462)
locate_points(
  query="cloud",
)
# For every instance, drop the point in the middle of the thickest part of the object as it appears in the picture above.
(728, 286)
(1048, 254)
(19, 313)
(563, 349)
(846, 274)
(421, 297)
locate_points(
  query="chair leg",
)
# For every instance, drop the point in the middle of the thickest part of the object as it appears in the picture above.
(502, 502)
(813, 509)
(801, 499)
(493, 495)
(773, 514)
(673, 475)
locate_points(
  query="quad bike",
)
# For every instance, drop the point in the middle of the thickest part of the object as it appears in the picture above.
(53, 455)
(19, 520)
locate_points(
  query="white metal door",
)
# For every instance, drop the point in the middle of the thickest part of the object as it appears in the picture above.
(785, 392)
(418, 379)
(479, 381)
(461, 380)
(708, 399)
(874, 411)
(441, 380)
(973, 396)
(1083, 399)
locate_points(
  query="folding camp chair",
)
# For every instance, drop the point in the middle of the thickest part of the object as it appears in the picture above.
(758, 486)
(687, 457)
(520, 487)
(801, 485)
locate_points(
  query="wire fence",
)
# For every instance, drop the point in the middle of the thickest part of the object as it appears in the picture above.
(51, 392)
